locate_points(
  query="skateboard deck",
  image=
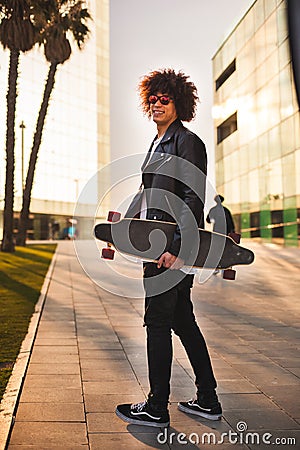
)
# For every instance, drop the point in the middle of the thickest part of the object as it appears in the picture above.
(149, 239)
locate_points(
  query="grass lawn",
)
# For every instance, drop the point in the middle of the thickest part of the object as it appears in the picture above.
(22, 275)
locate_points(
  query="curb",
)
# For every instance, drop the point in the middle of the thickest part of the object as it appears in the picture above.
(9, 403)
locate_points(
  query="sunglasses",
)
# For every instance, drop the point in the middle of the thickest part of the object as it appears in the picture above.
(164, 99)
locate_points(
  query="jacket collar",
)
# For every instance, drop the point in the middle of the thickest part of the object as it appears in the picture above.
(171, 130)
(166, 137)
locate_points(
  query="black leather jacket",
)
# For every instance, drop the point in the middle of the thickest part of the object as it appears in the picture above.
(174, 181)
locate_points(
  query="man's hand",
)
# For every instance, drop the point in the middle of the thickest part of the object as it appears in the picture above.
(170, 261)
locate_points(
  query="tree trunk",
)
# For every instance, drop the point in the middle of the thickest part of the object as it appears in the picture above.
(8, 244)
(24, 216)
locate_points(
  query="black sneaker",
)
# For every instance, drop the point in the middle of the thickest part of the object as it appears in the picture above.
(143, 414)
(205, 405)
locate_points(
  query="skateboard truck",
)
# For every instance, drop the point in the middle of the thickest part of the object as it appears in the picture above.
(229, 274)
(108, 252)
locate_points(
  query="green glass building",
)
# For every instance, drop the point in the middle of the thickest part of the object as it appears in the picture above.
(257, 125)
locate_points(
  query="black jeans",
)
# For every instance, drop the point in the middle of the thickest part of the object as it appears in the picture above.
(165, 311)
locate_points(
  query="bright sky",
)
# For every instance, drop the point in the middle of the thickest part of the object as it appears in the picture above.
(147, 35)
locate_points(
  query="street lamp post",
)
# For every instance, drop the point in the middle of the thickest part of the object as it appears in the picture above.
(22, 126)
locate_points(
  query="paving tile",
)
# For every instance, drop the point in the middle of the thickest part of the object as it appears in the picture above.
(124, 441)
(287, 397)
(260, 420)
(51, 395)
(287, 362)
(241, 386)
(103, 354)
(53, 369)
(59, 316)
(106, 374)
(87, 351)
(295, 371)
(52, 381)
(51, 350)
(64, 334)
(56, 358)
(56, 325)
(246, 401)
(55, 342)
(289, 352)
(108, 337)
(50, 412)
(108, 402)
(58, 433)
(115, 365)
(112, 387)
(109, 422)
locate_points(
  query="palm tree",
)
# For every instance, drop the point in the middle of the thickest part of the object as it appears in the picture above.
(18, 35)
(58, 19)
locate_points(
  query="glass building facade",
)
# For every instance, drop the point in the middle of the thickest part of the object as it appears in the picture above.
(257, 125)
(75, 141)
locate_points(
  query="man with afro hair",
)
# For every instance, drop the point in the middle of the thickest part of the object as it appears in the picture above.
(172, 190)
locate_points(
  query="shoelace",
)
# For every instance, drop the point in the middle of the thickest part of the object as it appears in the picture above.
(139, 406)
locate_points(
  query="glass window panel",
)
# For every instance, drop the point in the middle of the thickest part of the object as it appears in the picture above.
(220, 171)
(275, 180)
(261, 75)
(297, 131)
(274, 143)
(232, 192)
(268, 106)
(264, 184)
(272, 66)
(229, 51)
(243, 159)
(287, 132)
(286, 96)
(284, 54)
(271, 34)
(246, 61)
(227, 168)
(269, 6)
(259, 14)
(244, 189)
(240, 36)
(273, 99)
(249, 24)
(289, 175)
(263, 149)
(282, 25)
(297, 175)
(295, 100)
(254, 187)
(253, 155)
(260, 46)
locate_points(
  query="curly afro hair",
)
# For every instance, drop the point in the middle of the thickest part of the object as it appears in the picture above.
(166, 81)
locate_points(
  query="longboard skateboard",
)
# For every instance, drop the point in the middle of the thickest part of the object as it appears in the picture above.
(148, 239)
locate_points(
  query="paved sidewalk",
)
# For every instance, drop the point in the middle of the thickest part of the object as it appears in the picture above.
(89, 355)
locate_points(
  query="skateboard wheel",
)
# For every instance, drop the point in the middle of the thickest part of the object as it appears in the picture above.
(113, 216)
(107, 253)
(236, 237)
(229, 274)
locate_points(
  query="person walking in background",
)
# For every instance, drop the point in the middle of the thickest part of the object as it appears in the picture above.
(175, 161)
(221, 217)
